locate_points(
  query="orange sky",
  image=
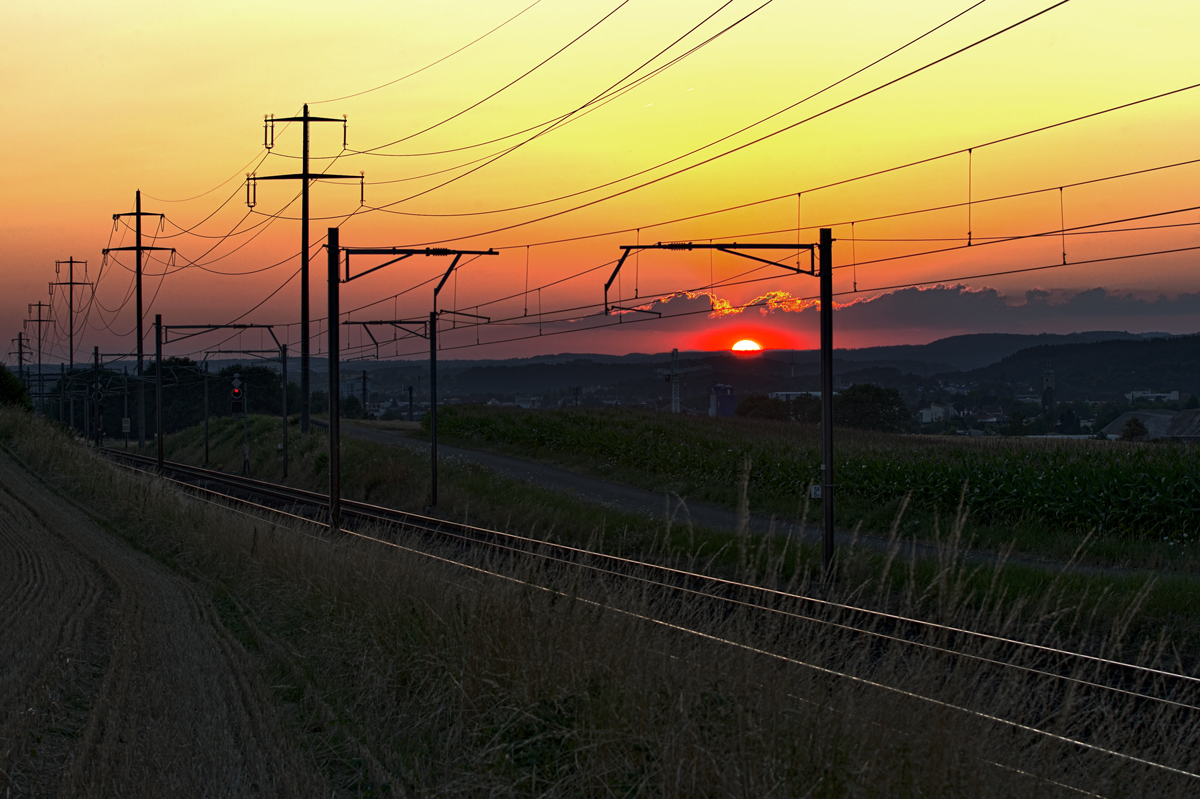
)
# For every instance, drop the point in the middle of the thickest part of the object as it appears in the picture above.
(105, 99)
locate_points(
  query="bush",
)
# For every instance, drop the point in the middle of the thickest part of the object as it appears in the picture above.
(13, 391)
(760, 406)
(871, 407)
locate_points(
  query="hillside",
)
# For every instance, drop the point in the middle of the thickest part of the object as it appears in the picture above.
(1101, 370)
(976, 350)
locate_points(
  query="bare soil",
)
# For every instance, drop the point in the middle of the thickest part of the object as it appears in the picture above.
(118, 677)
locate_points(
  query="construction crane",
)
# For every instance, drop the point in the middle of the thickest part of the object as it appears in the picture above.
(673, 374)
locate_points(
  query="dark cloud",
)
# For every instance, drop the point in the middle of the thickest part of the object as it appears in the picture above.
(960, 307)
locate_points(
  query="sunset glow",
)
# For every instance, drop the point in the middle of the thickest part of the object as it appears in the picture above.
(481, 141)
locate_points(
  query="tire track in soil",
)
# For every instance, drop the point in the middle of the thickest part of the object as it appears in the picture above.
(136, 687)
(50, 601)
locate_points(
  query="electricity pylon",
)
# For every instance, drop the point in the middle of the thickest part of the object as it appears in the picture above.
(305, 177)
(138, 248)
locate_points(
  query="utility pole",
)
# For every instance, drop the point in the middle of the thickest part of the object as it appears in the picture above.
(283, 380)
(20, 342)
(70, 283)
(40, 321)
(399, 254)
(206, 413)
(306, 178)
(138, 249)
(364, 390)
(97, 397)
(333, 246)
(158, 390)
(125, 406)
(827, 485)
(825, 249)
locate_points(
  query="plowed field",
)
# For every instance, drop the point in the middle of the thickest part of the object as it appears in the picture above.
(117, 678)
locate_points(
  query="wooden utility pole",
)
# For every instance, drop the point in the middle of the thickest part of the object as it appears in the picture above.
(306, 178)
(138, 249)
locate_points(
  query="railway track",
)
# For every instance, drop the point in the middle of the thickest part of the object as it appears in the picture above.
(1089, 688)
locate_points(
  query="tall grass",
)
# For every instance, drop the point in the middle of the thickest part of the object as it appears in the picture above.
(405, 674)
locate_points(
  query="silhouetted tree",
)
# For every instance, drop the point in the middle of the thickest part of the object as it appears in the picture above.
(1134, 430)
(760, 406)
(871, 407)
(12, 390)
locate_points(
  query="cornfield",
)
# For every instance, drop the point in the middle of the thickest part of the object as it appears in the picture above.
(1115, 489)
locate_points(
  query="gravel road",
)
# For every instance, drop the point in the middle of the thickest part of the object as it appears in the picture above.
(118, 678)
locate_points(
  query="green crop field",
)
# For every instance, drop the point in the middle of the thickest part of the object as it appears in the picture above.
(1119, 490)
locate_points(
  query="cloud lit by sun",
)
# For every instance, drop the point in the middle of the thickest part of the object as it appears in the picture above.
(746, 345)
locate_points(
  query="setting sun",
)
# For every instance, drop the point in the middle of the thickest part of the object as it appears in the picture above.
(746, 345)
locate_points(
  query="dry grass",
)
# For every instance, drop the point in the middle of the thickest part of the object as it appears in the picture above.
(406, 675)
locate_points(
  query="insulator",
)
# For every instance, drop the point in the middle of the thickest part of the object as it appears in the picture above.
(362, 188)
(345, 123)
(251, 191)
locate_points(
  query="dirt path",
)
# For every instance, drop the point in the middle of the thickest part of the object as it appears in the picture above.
(118, 678)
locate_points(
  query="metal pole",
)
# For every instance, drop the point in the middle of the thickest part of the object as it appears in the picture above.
(41, 404)
(246, 429)
(410, 403)
(62, 388)
(71, 318)
(158, 398)
(206, 414)
(364, 392)
(333, 245)
(826, 257)
(433, 408)
(141, 369)
(21, 359)
(283, 388)
(304, 332)
(125, 405)
(97, 411)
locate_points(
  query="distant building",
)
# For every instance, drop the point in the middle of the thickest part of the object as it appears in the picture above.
(1157, 423)
(1153, 396)
(936, 412)
(721, 400)
(1185, 426)
(792, 396)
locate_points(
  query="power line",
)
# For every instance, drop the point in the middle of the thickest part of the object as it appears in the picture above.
(614, 90)
(508, 85)
(820, 187)
(761, 303)
(746, 145)
(691, 152)
(432, 63)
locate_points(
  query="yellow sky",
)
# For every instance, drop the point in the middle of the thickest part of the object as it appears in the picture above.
(103, 99)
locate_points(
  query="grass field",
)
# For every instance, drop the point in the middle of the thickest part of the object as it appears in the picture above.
(400, 675)
(1139, 502)
(398, 477)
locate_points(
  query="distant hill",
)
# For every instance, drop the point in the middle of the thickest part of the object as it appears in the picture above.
(974, 350)
(1103, 369)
